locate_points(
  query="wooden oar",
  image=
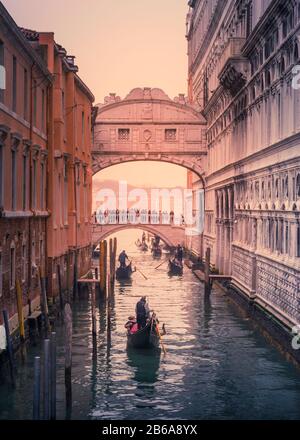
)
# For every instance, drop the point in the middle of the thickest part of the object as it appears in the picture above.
(140, 272)
(162, 263)
(160, 338)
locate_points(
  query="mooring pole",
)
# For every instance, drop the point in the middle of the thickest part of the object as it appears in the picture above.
(46, 379)
(53, 376)
(44, 302)
(37, 388)
(68, 353)
(207, 288)
(9, 347)
(103, 267)
(94, 323)
(20, 311)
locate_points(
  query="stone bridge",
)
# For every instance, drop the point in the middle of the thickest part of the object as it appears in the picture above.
(148, 125)
(171, 234)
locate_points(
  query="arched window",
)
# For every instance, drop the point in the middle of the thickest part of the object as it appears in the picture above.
(298, 185)
(282, 66)
(296, 52)
(277, 188)
(268, 78)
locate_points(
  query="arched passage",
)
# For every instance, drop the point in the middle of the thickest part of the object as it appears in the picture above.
(171, 235)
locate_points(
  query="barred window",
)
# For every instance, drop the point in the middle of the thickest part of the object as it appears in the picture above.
(170, 134)
(123, 134)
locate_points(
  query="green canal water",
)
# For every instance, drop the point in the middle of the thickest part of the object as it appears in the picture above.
(218, 365)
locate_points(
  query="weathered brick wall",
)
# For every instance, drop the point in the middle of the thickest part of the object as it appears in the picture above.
(16, 232)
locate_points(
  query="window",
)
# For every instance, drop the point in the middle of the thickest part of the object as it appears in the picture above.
(25, 103)
(34, 184)
(123, 134)
(2, 82)
(13, 179)
(43, 110)
(170, 134)
(12, 266)
(34, 102)
(1, 275)
(24, 185)
(298, 185)
(287, 247)
(42, 185)
(14, 85)
(65, 175)
(298, 241)
(23, 262)
(82, 129)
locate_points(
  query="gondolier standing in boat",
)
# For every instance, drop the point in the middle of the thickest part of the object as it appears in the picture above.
(142, 312)
(143, 237)
(122, 259)
(179, 253)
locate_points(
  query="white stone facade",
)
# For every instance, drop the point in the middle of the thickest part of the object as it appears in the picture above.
(242, 58)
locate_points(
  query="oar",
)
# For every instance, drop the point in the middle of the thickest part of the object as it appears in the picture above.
(160, 338)
(140, 272)
(162, 263)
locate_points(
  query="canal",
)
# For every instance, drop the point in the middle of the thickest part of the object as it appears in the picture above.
(218, 365)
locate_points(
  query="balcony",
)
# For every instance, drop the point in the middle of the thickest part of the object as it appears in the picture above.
(234, 67)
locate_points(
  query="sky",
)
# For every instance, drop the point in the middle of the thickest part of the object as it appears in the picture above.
(119, 45)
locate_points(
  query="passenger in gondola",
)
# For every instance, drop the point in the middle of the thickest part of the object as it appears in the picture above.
(131, 325)
(143, 237)
(142, 312)
(122, 259)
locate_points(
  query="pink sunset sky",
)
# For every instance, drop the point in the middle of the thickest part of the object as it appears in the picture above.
(119, 45)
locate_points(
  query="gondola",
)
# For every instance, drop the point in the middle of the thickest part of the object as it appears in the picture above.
(141, 245)
(124, 273)
(147, 337)
(175, 268)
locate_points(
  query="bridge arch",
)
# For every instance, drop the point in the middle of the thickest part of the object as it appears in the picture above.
(171, 235)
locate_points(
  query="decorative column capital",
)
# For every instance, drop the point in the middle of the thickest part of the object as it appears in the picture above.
(15, 141)
(4, 130)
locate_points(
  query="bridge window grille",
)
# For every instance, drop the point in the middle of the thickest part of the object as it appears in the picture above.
(123, 134)
(170, 134)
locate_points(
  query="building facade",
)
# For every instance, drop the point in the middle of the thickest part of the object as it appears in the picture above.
(45, 168)
(242, 64)
(69, 166)
(23, 169)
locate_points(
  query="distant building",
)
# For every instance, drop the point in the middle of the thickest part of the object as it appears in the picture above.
(241, 60)
(23, 168)
(45, 167)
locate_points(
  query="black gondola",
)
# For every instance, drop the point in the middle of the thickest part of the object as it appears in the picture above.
(142, 245)
(147, 337)
(124, 273)
(175, 267)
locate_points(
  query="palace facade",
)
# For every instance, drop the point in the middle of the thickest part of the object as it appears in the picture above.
(242, 58)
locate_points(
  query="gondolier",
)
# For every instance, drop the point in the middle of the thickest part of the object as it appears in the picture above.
(142, 312)
(122, 258)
